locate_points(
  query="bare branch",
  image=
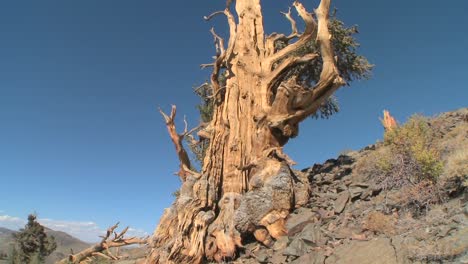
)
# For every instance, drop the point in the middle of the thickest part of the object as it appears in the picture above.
(196, 89)
(271, 40)
(219, 42)
(310, 100)
(308, 34)
(177, 140)
(101, 249)
(209, 17)
(276, 75)
(206, 65)
(224, 55)
(294, 32)
(330, 79)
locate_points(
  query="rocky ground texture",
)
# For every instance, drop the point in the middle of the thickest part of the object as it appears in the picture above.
(351, 218)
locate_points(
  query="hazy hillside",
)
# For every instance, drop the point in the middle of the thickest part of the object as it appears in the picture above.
(65, 243)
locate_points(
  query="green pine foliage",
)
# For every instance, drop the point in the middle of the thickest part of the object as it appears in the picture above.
(32, 244)
(351, 65)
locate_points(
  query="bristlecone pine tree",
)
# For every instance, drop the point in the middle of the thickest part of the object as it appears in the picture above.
(262, 87)
(33, 243)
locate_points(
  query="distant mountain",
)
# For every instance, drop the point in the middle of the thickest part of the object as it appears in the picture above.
(6, 241)
(65, 243)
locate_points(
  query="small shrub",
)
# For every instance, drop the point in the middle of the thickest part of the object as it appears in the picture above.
(379, 223)
(420, 196)
(457, 166)
(376, 164)
(412, 146)
(409, 162)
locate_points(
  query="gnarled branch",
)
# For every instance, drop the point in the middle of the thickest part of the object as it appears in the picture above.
(275, 77)
(310, 100)
(225, 53)
(177, 139)
(102, 248)
(310, 28)
(274, 37)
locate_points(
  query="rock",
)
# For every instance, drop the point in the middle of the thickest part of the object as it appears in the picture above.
(341, 187)
(262, 256)
(400, 249)
(343, 232)
(278, 258)
(342, 173)
(355, 191)
(341, 202)
(281, 243)
(299, 217)
(325, 214)
(445, 230)
(364, 252)
(312, 235)
(454, 245)
(360, 184)
(296, 248)
(310, 258)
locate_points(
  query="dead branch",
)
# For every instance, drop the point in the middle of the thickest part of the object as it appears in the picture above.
(206, 65)
(224, 54)
(271, 40)
(330, 80)
(101, 249)
(177, 139)
(209, 17)
(294, 31)
(310, 29)
(276, 75)
(219, 42)
(389, 123)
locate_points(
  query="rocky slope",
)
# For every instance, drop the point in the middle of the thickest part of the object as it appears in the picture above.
(352, 217)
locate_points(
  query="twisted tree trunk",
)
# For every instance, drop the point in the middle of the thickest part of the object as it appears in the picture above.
(246, 187)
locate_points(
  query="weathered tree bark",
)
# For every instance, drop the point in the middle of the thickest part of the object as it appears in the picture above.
(246, 187)
(101, 249)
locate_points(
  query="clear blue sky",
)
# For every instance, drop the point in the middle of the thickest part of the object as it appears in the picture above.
(81, 140)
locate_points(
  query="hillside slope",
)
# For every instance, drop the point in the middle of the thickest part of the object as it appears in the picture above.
(65, 243)
(368, 206)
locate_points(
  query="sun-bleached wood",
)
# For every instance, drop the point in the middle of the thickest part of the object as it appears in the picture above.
(246, 186)
(112, 239)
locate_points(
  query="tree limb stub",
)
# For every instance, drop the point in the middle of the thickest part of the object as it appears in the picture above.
(102, 248)
(177, 139)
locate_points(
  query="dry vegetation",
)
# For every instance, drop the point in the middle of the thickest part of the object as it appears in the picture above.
(380, 223)
(415, 161)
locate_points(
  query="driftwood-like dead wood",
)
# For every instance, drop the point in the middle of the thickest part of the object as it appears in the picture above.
(389, 123)
(111, 239)
(177, 139)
